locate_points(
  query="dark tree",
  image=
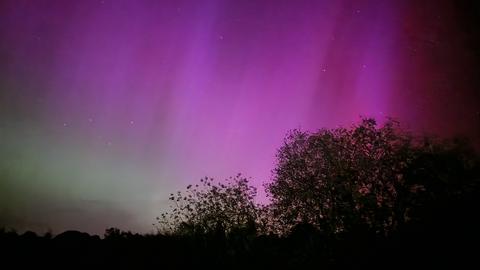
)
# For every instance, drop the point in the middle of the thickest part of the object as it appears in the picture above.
(211, 208)
(365, 177)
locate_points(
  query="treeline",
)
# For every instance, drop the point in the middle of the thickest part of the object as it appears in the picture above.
(366, 196)
(368, 177)
(303, 248)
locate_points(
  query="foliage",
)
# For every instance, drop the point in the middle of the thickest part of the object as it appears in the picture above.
(211, 208)
(343, 198)
(365, 177)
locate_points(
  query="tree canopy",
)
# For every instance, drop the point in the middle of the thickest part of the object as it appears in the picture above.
(211, 207)
(367, 177)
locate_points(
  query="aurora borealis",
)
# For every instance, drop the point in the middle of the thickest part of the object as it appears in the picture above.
(106, 107)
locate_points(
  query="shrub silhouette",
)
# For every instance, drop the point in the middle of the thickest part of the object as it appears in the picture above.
(212, 208)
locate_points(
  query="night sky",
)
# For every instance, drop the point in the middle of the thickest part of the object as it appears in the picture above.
(108, 106)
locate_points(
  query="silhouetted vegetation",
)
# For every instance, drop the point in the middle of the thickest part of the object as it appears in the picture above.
(211, 208)
(368, 196)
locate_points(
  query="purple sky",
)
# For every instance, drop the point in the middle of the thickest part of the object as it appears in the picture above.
(108, 106)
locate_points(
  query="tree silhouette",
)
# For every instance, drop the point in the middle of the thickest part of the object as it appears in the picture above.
(368, 177)
(343, 198)
(211, 208)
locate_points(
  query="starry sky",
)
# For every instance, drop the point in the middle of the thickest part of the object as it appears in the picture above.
(108, 106)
